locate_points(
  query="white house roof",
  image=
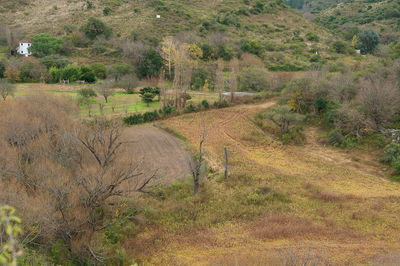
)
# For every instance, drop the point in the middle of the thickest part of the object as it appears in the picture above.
(25, 41)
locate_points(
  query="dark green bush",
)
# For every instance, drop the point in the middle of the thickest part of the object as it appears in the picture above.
(151, 64)
(106, 11)
(190, 108)
(87, 74)
(54, 61)
(391, 153)
(205, 104)
(95, 27)
(312, 36)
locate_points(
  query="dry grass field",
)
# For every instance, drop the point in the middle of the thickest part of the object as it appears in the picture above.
(326, 207)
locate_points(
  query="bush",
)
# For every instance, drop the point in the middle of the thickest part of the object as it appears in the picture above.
(151, 64)
(205, 104)
(95, 27)
(106, 11)
(134, 119)
(396, 165)
(221, 104)
(312, 36)
(168, 110)
(368, 40)
(294, 136)
(253, 79)
(99, 70)
(225, 52)
(141, 118)
(391, 153)
(71, 73)
(87, 74)
(335, 138)
(190, 108)
(199, 78)
(55, 60)
(43, 44)
(339, 47)
(253, 47)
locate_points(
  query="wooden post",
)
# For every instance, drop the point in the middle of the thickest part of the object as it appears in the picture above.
(226, 162)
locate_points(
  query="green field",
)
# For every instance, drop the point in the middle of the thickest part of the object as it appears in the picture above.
(119, 104)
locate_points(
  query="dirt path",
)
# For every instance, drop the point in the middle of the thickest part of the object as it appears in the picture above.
(160, 151)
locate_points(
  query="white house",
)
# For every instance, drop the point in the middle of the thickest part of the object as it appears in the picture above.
(23, 47)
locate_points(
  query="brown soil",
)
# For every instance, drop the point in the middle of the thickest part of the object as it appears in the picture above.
(159, 151)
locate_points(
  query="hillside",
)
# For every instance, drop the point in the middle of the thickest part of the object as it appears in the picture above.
(287, 38)
(381, 15)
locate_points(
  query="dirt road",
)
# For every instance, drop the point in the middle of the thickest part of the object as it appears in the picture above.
(160, 151)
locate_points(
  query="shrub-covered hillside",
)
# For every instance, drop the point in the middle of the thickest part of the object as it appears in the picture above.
(267, 28)
(344, 15)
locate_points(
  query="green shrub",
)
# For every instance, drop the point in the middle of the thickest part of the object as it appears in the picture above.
(253, 79)
(95, 27)
(43, 44)
(54, 60)
(396, 165)
(71, 72)
(368, 40)
(106, 11)
(133, 119)
(335, 138)
(190, 108)
(151, 64)
(391, 153)
(339, 47)
(253, 47)
(312, 36)
(294, 136)
(87, 74)
(199, 78)
(168, 110)
(99, 70)
(205, 104)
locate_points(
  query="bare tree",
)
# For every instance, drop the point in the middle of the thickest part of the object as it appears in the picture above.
(197, 163)
(220, 79)
(234, 76)
(6, 89)
(106, 89)
(134, 51)
(74, 170)
(379, 98)
(128, 83)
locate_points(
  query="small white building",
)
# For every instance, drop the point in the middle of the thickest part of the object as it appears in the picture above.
(23, 47)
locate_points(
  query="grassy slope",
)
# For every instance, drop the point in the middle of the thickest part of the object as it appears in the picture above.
(279, 200)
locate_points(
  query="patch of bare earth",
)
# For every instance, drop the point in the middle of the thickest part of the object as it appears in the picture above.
(159, 151)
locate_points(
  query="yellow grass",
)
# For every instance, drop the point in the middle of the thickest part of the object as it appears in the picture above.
(347, 210)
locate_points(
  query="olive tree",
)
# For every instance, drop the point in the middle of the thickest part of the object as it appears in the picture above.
(284, 118)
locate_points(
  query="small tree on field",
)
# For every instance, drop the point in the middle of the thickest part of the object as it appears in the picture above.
(86, 96)
(106, 89)
(147, 97)
(284, 118)
(367, 41)
(119, 70)
(128, 83)
(6, 89)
